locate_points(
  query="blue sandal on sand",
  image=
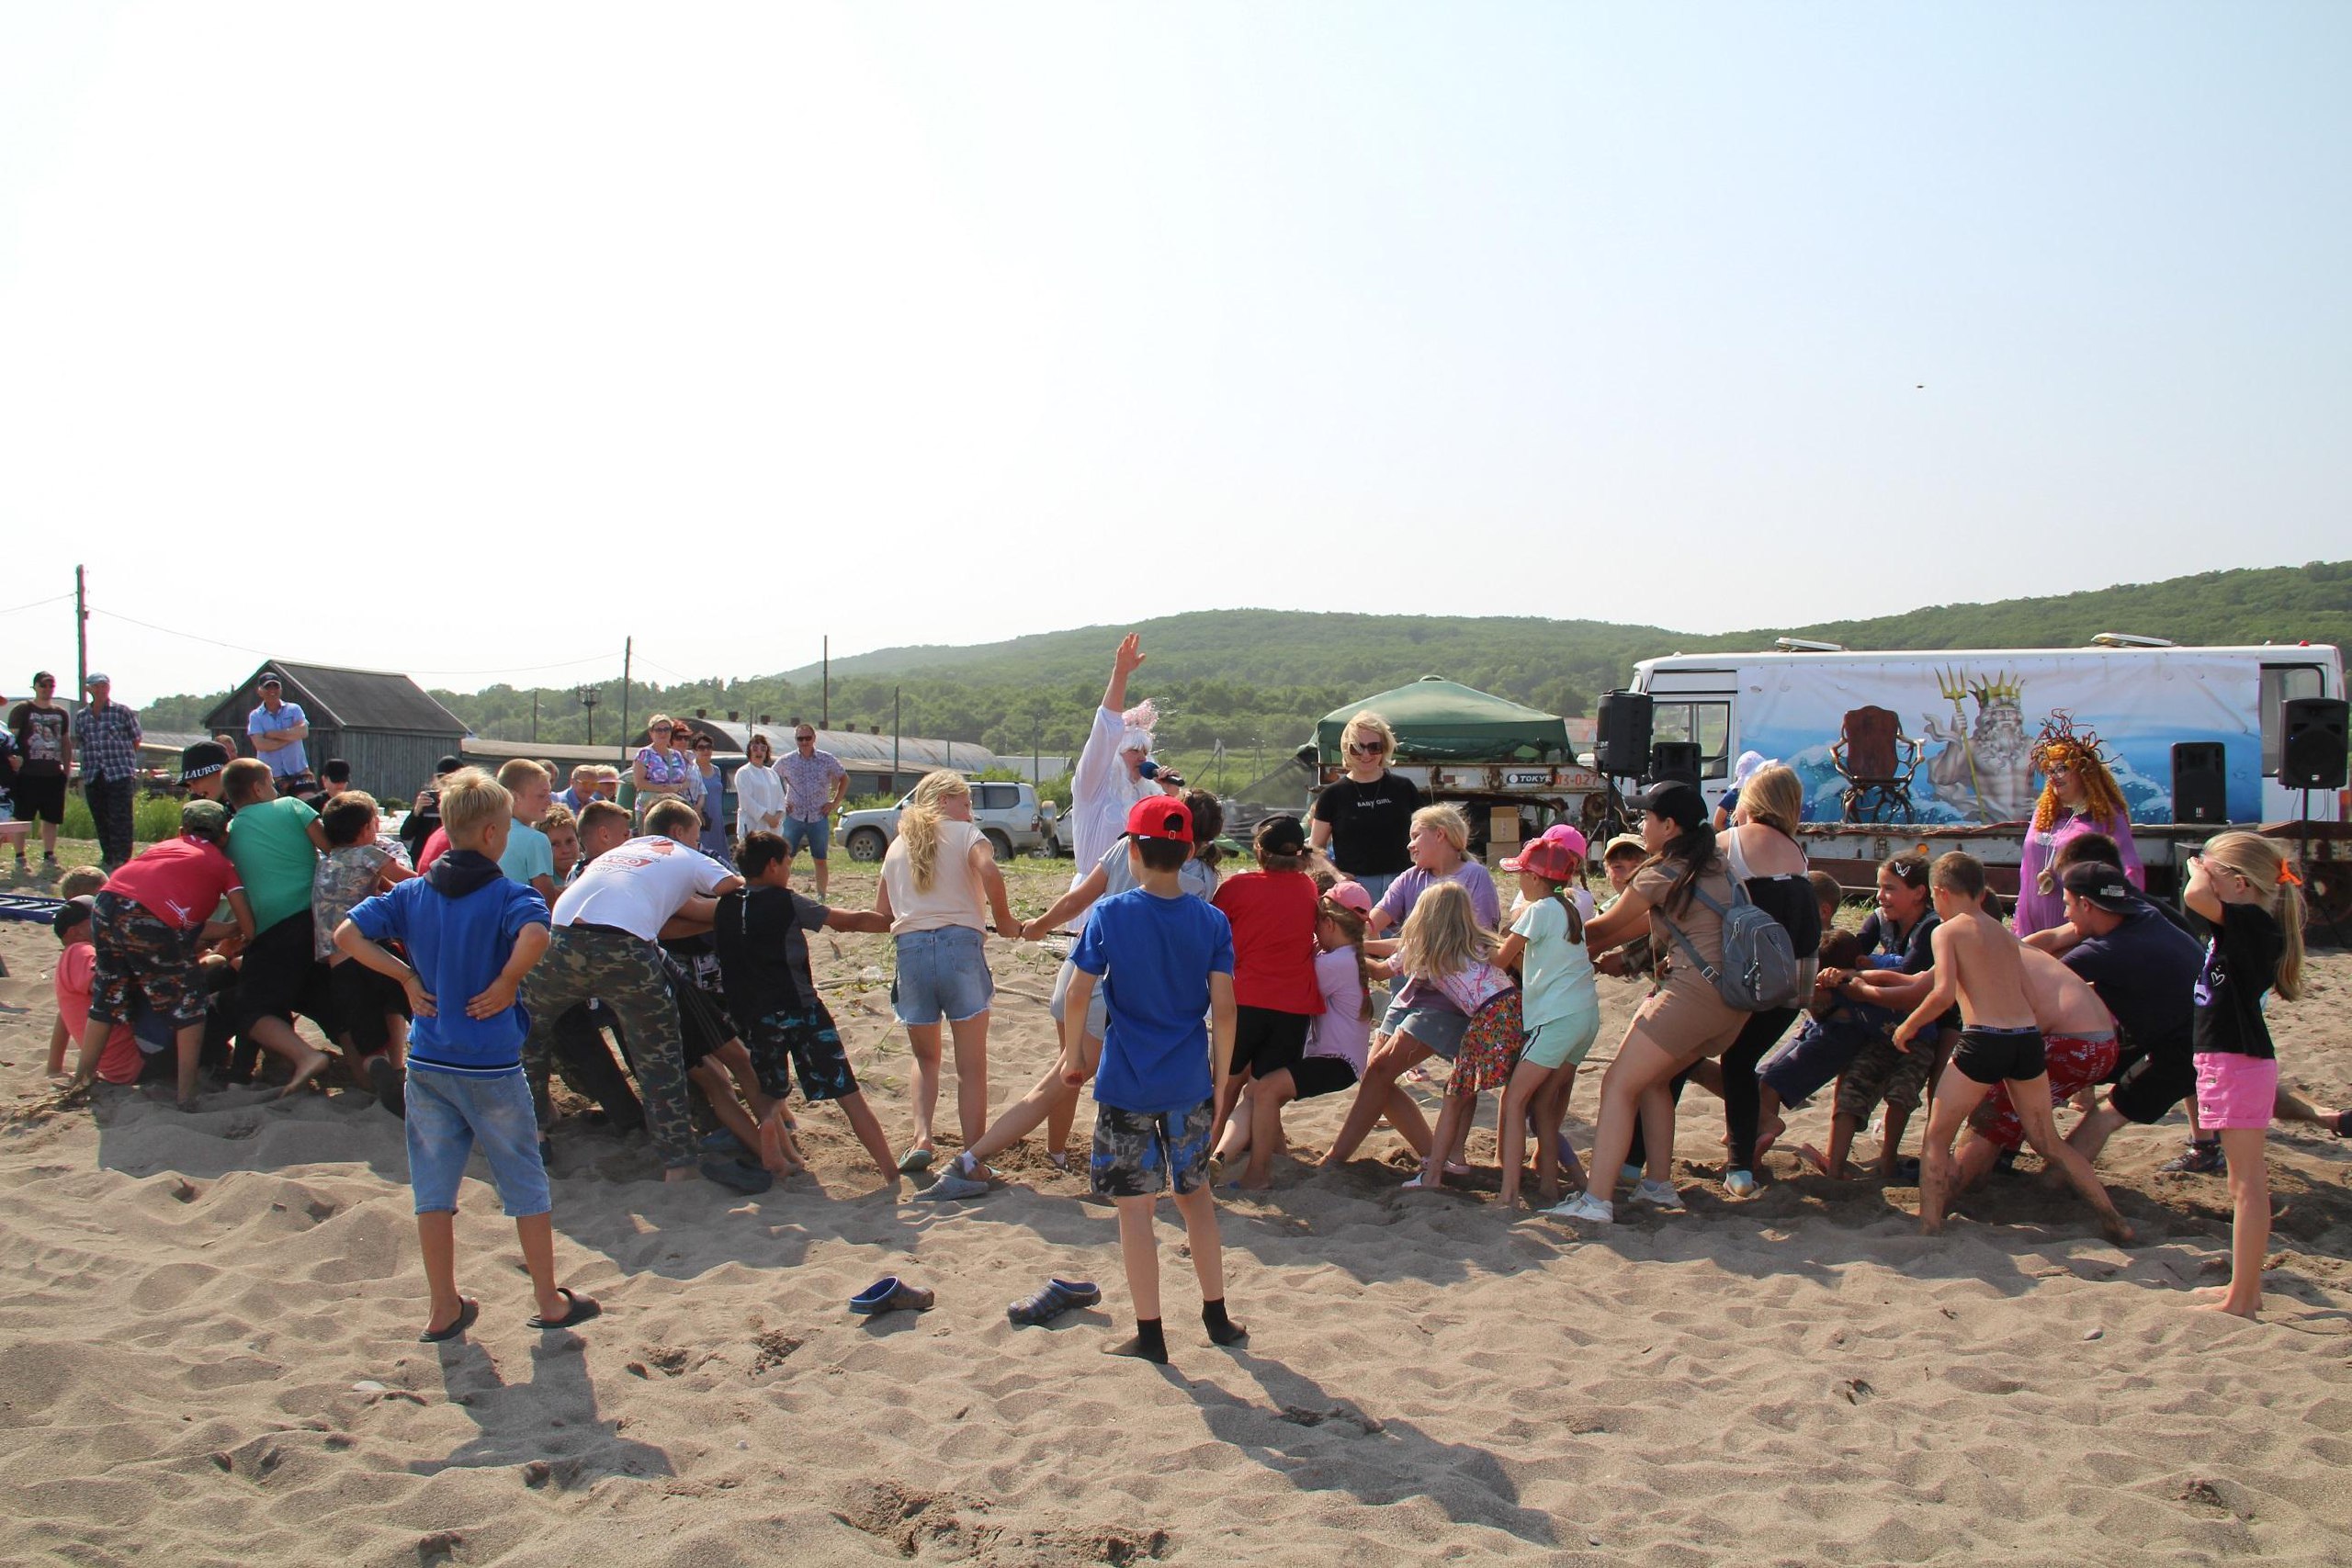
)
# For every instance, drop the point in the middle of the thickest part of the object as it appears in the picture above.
(1058, 1297)
(914, 1160)
(889, 1293)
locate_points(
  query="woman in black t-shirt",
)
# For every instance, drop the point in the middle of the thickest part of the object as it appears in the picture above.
(1365, 818)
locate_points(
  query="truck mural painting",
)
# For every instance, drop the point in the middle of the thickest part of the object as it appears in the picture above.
(1976, 767)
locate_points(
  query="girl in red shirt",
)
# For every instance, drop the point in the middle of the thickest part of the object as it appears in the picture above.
(1273, 912)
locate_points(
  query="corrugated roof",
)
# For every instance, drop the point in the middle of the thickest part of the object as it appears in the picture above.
(338, 698)
(856, 749)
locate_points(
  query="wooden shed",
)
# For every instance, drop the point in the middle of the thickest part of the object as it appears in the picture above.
(380, 722)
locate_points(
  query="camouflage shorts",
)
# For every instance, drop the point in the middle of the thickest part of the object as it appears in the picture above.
(1136, 1153)
(141, 956)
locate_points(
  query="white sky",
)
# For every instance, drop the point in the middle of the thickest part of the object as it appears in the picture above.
(468, 339)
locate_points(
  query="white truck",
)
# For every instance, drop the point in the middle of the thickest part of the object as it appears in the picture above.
(1962, 724)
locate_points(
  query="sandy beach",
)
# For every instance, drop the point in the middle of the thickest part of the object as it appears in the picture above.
(207, 1352)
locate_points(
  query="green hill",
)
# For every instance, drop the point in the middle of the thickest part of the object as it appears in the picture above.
(1259, 678)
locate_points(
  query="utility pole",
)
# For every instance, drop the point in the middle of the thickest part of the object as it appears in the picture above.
(588, 699)
(825, 700)
(629, 652)
(81, 635)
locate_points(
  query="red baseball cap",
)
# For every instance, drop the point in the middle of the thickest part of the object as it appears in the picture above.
(1160, 817)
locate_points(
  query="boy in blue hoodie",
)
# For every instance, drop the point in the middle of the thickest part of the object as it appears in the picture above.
(469, 933)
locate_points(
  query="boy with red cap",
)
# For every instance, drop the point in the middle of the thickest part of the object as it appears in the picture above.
(1170, 961)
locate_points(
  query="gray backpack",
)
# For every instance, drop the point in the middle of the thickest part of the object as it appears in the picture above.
(1760, 967)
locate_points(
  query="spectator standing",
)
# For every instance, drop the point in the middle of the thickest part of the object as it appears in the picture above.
(713, 841)
(814, 783)
(662, 769)
(108, 735)
(278, 729)
(1365, 818)
(758, 791)
(43, 733)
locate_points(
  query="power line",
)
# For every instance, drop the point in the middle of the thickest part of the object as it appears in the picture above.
(54, 599)
(167, 631)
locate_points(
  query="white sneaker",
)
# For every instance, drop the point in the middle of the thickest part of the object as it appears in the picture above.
(1740, 1184)
(1586, 1209)
(1660, 1195)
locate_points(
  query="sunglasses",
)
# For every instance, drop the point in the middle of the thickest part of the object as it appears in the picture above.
(1374, 750)
(804, 738)
(661, 729)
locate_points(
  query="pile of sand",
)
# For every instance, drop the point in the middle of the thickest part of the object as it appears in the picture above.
(207, 1354)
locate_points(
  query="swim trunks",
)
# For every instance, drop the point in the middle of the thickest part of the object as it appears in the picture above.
(2075, 1062)
(1996, 1055)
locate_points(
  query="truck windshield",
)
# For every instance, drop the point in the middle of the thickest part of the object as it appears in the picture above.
(1708, 722)
(2282, 684)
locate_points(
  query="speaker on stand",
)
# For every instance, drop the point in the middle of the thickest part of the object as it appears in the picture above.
(1621, 751)
(2312, 755)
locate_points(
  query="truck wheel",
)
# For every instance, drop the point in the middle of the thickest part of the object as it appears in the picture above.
(998, 842)
(866, 844)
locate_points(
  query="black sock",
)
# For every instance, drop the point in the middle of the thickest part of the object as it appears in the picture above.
(1222, 1329)
(1149, 1344)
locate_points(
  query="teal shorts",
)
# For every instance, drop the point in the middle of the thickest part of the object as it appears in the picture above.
(1564, 1042)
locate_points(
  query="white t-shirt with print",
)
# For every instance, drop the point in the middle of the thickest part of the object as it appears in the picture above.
(639, 887)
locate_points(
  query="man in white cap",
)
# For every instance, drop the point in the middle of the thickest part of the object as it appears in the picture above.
(106, 736)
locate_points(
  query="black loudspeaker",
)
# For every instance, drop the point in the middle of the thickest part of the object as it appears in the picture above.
(2201, 783)
(2311, 755)
(1675, 760)
(1622, 734)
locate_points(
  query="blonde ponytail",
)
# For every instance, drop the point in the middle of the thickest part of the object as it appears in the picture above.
(919, 823)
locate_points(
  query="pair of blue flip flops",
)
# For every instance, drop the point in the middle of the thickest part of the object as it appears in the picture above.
(1058, 1297)
(889, 1293)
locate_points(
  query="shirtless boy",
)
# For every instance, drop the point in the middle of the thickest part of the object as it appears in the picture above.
(1977, 961)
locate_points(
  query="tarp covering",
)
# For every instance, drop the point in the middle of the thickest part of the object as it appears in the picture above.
(1443, 721)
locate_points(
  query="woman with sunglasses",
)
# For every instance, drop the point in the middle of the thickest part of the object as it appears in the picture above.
(662, 769)
(1365, 819)
(2080, 797)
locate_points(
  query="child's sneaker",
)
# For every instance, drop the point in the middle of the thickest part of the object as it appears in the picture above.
(1740, 1184)
(1585, 1209)
(1660, 1195)
(2200, 1158)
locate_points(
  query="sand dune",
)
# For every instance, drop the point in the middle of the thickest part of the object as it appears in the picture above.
(207, 1356)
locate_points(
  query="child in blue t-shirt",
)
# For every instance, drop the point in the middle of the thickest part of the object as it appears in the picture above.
(472, 935)
(1169, 958)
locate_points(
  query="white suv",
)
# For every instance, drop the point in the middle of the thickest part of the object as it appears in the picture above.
(1006, 813)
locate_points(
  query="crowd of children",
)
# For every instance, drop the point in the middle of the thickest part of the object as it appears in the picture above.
(525, 929)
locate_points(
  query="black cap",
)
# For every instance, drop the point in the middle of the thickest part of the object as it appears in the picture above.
(1678, 801)
(202, 759)
(449, 764)
(1282, 834)
(72, 913)
(269, 680)
(2103, 886)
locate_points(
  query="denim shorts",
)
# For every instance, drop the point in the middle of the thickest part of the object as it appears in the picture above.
(816, 837)
(942, 974)
(451, 1114)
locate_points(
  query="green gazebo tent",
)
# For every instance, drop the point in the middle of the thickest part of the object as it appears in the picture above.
(1442, 721)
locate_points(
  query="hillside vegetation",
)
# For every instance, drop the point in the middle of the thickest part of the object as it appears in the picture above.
(1260, 678)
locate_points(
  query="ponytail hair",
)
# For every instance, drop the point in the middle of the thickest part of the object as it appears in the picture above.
(919, 823)
(1352, 929)
(2278, 888)
(1692, 854)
